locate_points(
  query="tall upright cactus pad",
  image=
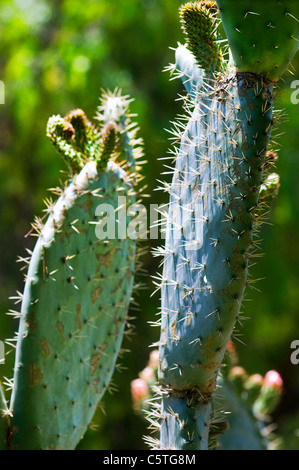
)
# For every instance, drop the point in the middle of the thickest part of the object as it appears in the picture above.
(214, 194)
(78, 285)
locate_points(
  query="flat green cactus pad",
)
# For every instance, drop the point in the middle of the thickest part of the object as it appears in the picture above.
(79, 282)
(263, 36)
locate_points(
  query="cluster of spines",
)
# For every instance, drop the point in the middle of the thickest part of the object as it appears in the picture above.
(79, 140)
(199, 24)
(70, 143)
(129, 147)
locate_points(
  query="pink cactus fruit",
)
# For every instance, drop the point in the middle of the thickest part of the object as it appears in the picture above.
(273, 379)
(139, 390)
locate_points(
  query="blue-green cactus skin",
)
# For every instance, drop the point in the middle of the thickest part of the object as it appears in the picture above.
(186, 423)
(210, 224)
(191, 75)
(214, 193)
(74, 313)
(78, 287)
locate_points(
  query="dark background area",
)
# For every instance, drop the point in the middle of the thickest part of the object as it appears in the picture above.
(56, 55)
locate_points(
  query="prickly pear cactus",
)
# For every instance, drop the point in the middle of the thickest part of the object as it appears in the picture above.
(220, 166)
(79, 282)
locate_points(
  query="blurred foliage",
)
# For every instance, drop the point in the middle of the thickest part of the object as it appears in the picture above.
(57, 55)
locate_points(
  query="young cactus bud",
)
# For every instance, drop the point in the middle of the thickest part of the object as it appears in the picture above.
(199, 27)
(80, 123)
(62, 133)
(108, 145)
(270, 394)
(238, 376)
(253, 387)
(139, 392)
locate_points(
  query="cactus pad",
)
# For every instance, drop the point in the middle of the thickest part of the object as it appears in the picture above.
(263, 36)
(78, 287)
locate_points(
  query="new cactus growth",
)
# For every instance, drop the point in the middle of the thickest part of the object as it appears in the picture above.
(219, 170)
(200, 31)
(78, 285)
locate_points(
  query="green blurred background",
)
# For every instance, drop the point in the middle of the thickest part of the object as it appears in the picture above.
(57, 55)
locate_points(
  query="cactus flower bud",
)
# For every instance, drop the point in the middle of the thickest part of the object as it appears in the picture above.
(139, 390)
(273, 379)
(253, 387)
(238, 376)
(270, 394)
